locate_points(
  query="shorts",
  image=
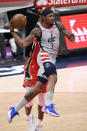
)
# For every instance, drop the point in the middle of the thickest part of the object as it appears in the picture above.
(46, 64)
(31, 83)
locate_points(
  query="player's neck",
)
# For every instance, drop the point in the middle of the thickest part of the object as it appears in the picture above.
(46, 25)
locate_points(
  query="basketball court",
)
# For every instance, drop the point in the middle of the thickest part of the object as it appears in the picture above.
(70, 98)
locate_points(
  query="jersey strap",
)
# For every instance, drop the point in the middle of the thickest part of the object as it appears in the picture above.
(39, 39)
(57, 25)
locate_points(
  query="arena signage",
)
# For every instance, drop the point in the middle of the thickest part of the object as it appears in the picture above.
(59, 3)
(14, 0)
(77, 24)
(6, 5)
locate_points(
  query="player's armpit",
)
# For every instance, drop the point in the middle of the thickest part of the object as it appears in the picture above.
(63, 29)
(59, 50)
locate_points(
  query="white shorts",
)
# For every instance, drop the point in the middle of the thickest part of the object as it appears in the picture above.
(43, 57)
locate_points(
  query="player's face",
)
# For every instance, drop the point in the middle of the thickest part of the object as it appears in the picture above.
(50, 18)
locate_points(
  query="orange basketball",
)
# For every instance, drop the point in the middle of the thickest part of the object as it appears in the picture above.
(19, 21)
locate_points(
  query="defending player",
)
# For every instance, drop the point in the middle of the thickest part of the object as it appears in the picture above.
(31, 69)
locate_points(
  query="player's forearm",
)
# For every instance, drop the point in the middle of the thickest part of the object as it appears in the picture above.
(20, 42)
(64, 30)
(66, 33)
(18, 39)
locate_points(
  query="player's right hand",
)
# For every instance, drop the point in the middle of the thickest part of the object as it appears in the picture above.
(72, 37)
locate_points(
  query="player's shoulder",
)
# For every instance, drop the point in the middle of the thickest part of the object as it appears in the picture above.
(59, 25)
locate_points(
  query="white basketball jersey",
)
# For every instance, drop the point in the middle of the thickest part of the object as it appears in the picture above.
(49, 40)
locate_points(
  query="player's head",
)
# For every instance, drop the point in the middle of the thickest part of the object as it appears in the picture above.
(48, 16)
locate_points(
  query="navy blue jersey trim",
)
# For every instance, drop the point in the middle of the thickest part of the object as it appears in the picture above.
(39, 39)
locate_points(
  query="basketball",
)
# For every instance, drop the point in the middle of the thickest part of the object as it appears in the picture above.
(19, 21)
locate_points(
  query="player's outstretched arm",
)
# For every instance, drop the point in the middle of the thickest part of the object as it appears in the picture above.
(35, 33)
(69, 35)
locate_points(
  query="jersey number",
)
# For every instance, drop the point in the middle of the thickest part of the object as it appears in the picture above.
(51, 40)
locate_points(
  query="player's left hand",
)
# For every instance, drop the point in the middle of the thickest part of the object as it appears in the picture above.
(72, 37)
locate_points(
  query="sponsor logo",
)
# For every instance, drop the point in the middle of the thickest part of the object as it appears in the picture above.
(51, 3)
(77, 24)
(80, 32)
(47, 65)
(42, 2)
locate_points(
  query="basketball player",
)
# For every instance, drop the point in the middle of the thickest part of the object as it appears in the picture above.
(47, 34)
